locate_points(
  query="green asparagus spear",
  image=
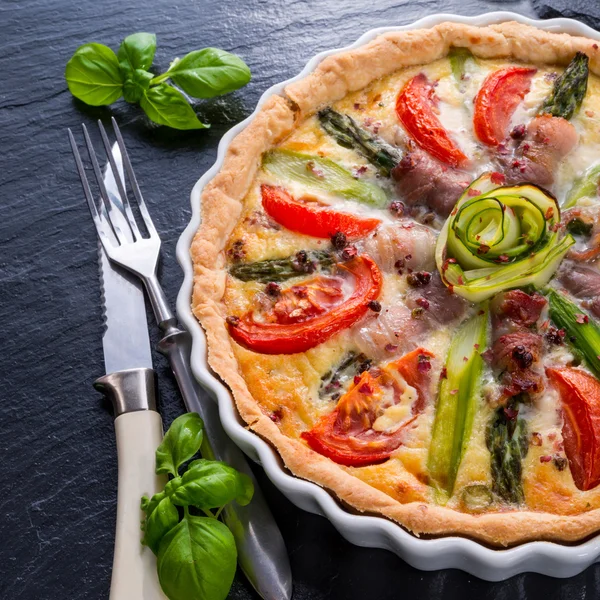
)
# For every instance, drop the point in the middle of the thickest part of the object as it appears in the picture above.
(334, 381)
(458, 58)
(582, 332)
(587, 185)
(508, 444)
(457, 403)
(280, 269)
(349, 134)
(322, 174)
(569, 89)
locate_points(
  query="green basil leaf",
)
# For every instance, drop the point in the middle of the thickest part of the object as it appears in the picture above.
(93, 75)
(172, 485)
(197, 559)
(158, 523)
(180, 443)
(137, 52)
(211, 484)
(136, 84)
(149, 504)
(167, 106)
(209, 72)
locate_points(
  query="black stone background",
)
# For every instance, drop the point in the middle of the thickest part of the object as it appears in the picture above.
(58, 462)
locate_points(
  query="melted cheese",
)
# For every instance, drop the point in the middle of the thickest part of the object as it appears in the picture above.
(397, 414)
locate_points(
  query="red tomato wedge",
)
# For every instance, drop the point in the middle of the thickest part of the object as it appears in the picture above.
(346, 435)
(414, 368)
(312, 218)
(497, 100)
(580, 395)
(415, 108)
(307, 300)
(290, 338)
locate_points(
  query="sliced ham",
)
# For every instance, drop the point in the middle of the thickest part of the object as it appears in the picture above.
(398, 327)
(423, 180)
(517, 347)
(391, 332)
(440, 306)
(515, 310)
(583, 282)
(547, 141)
(400, 245)
(517, 350)
(516, 356)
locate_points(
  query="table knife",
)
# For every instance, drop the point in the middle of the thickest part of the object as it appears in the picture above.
(130, 385)
(262, 555)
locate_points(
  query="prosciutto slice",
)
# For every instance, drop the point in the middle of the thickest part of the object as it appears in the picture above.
(440, 306)
(423, 180)
(388, 333)
(517, 348)
(400, 245)
(583, 282)
(398, 327)
(546, 142)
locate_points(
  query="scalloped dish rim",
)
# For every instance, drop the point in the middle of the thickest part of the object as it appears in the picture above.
(547, 558)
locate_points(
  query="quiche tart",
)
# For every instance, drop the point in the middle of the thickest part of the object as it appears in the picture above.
(397, 272)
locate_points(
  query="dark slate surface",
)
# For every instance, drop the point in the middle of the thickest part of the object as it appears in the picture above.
(56, 436)
(587, 11)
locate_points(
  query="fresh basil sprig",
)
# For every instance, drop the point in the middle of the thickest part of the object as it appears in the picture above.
(207, 73)
(93, 75)
(197, 559)
(99, 77)
(182, 440)
(196, 553)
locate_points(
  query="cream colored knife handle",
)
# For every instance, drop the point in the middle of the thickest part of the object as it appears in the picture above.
(138, 429)
(134, 566)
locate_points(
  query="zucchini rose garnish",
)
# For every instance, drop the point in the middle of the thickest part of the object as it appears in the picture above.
(500, 237)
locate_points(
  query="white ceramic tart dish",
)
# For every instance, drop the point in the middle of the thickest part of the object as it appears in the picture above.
(362, 407)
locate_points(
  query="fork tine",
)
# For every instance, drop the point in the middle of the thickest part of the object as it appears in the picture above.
(120, 184)
(133, 181)
(110, 207)
(102, 233)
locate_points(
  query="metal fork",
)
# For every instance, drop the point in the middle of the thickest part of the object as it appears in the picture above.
(261, 550)
(140, 256)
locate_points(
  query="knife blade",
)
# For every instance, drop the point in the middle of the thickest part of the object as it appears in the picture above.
(129, 383)
(126, 342)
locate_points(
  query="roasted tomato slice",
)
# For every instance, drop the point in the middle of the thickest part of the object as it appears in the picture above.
(580, 395)
(304, 334)
(415, 108)
(312, 218)
(414, 368)
(347, 436)
(310, 299)
(497, 100)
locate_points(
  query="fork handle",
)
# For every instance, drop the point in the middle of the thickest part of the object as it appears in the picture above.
(138, 429)
(160, 305)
